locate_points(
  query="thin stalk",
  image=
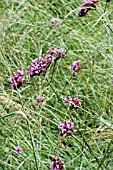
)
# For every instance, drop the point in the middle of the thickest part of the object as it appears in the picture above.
(32, 142)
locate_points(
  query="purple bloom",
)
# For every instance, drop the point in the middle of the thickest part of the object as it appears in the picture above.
(82, 12)
(88, 4)
(74, 74)
(56, 164)
(39, 65)
(66, 128)
(55, 21)
(75, 65)
(56, 52)
(17, 149)
(39, 99)
(91, 3)
(72, 103)
(17, 80)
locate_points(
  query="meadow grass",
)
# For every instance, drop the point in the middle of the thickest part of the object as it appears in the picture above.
(26, 34)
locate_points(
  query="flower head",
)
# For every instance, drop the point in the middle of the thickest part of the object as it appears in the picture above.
(66, 128)
(17, 80)
(17, 149)
(56, 52)
(55, 21)
(39, 99)
(72, 103)
(86, 6)
(82, 12)
(56, 164)
(91, 3)
(39, 65)
(75, 65)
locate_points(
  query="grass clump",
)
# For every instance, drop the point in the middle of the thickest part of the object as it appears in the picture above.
(58, 111)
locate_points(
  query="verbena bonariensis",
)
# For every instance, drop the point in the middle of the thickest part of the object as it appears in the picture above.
(86, 6)
(17, 80)
(17, 149)
(66, 128)
(39, 99)
(55, 21)
(56, 164)
(72, 103)
(40, 65)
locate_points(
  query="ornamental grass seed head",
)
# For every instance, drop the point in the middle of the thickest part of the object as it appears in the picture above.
(17, 80)
(66, 128)
(56, 164)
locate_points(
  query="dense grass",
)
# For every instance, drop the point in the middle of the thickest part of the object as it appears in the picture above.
(26, 34)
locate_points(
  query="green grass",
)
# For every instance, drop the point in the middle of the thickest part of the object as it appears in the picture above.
(26, 34)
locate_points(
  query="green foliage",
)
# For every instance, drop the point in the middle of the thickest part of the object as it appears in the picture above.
(26, 34)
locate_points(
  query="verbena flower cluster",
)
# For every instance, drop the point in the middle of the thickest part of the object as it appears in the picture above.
(72, 103)
(36, 67)
(56, 164)
(17, 80)
(17, 149)
(86, 6)
(39, 99)
(55, 21)
(75, 66)
(66, 128)
(57, 52)
(40, 65)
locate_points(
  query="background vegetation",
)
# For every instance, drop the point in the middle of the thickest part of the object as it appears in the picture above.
(26, 34)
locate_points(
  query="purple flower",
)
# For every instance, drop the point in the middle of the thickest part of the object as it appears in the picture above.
(39, 99)
(17, 149)
(82, 12)
(55, 21)
(72, 103)
(56, 164)
(74, 74)
(91, 3)
(66, 128)
(39, 65)
(17, 80)
(75, 65)
(88, 4)
(56, 52)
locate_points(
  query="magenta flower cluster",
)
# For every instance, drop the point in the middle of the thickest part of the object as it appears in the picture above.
(75, 66)
(39, 65)
(72, 103)
(17, 149)
(66, 128)
(55, 21)
(39, 99)
(17, 80)
(86, 6)
(56, 52)
(36, 67)
(56, 164)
